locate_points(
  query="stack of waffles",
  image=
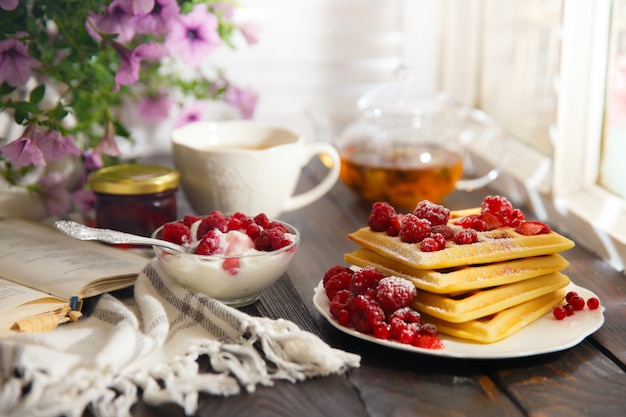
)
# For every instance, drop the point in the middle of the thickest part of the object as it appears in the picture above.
(483, 291)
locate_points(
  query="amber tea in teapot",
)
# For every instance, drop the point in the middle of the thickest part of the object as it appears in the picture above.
(402, 175)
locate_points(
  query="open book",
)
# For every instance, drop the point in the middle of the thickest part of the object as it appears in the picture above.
(45, 274)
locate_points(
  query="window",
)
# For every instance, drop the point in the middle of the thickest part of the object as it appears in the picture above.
(550, 64)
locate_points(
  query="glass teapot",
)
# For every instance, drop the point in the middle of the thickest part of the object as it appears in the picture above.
(406, 147)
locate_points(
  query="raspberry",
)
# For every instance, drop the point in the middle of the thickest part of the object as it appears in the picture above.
(176, 232)
(231, 265)
(428, 329)
(465, 237)
(271, 239)
(212, 243)
(466, 222)
(414, 229)
(382, 330)
(364, 279)
(394, 228)
(215, 220)
(381, 216)
(262, 220)
(514, 219)
(394, 293)
(436, 214)
(253, 230)
(446, 231)
(479, 225)
(593, 303)
(278, 226)
(233, 223)
(427, 342)
(496, 204)
(337, 282)
(405, 324)
(335, 270)
(366, 313)
(435, 242)
(340, 303)
(429, 245)
(188, 219)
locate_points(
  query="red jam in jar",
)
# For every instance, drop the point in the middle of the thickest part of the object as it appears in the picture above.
(134, 198)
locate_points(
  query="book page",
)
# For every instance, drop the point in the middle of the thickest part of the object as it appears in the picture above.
(43, 258)
(18, 302)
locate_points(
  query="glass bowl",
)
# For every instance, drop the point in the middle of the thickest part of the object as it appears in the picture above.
(234, 280)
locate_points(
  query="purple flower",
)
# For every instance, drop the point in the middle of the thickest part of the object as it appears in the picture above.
(243, 99)
(155, 107)
(130, 62)
(191, 112)
(23, 151)
(8, 4)
(194, 36)
(84, 199)
(54, 146)
(92, 160)
(107, 145)
(159, 19)
(138, 7)
(250, 32)
(15, 63)
(116, 20)
(55, 195)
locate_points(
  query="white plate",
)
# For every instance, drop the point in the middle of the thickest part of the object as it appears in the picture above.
(544, 335)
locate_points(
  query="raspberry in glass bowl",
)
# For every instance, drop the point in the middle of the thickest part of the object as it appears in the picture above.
(231, 258)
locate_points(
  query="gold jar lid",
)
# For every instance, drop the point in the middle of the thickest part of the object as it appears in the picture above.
(134, 179)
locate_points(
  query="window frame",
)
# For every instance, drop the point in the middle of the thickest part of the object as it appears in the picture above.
(560, 189)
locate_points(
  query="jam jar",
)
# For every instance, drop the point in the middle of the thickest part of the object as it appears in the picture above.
(134, 198)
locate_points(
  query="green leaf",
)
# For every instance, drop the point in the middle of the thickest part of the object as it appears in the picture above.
(37, 94)
(58, 112)
(20, 115)
(27, 107)
(6, 88)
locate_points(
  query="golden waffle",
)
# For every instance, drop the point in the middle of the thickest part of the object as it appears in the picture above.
(473, 305)
(493, 246)
(503, 324)
(461, 279)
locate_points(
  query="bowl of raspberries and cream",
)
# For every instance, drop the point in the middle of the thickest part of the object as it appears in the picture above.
(231, 258)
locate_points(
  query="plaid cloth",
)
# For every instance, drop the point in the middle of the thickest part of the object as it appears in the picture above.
(152, 342)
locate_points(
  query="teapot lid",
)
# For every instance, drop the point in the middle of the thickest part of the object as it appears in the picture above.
(398, 98)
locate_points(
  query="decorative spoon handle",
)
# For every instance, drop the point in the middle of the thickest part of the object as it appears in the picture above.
(114, 237)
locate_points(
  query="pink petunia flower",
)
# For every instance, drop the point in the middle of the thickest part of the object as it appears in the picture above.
(16, 66)
(54, 146)
(194, 36)
(56, 197)
(155, 108)
(159, 19)
(107, 145)
(116, 20)
(23, 151)
(130, 62)
(243, 99)
(92, 160)
(138, 7)
(191, 112)
(84, 200)
(250, 32)
(8, 4)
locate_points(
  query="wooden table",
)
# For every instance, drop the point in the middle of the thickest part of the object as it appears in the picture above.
(588, 379)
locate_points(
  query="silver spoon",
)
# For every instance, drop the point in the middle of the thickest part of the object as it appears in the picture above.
(82, 232)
